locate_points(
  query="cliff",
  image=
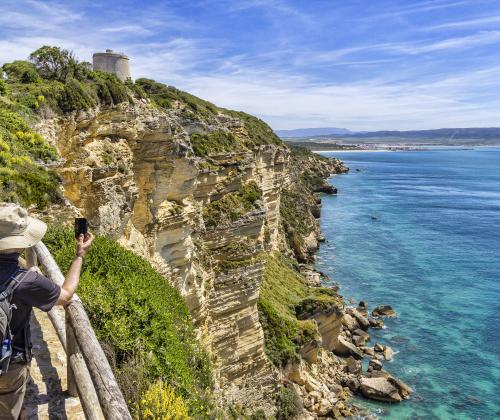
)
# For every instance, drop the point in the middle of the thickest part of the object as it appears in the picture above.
(215, 201)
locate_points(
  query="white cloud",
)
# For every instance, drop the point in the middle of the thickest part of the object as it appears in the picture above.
(407, 48)
(465, 23)
(127, 29)
(420, 7)
(291, 102)
(479, 38)
(271, 84)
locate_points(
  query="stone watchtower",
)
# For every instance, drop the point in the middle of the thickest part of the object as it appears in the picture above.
(112, 62)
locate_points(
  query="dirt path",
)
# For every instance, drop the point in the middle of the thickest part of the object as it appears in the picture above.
(46, 396)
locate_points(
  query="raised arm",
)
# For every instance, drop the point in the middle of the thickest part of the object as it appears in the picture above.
(73, 277)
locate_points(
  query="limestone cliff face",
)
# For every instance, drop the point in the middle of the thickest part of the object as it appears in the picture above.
(132, 172)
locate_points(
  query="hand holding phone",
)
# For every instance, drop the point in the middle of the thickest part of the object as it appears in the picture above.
(83, 244)
(81, 227)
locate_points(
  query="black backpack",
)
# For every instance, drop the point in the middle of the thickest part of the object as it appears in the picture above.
(6, 309)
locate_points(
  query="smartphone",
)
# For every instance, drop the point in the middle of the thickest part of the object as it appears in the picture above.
(81, 226)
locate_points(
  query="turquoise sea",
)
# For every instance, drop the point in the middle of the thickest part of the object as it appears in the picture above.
(421, 231)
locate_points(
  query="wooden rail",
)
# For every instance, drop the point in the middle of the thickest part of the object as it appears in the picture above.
(90, 376)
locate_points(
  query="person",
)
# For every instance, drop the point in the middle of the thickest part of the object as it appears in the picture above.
(19, 231)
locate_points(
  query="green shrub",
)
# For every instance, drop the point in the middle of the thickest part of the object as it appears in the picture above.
(259, 132)
(233, 205)
(21, 71)
(21, 179)
(12, 122)
(283, 294)
(214, 142)
(165, 96)
(75, 97)
(138, 315)
(34, 145)
(288, 404)
(3, 87)
(258, 415)
(110, 90)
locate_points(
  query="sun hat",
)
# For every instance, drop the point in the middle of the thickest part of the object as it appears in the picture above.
(17, 228)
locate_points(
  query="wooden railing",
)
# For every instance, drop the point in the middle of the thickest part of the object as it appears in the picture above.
(90, 376)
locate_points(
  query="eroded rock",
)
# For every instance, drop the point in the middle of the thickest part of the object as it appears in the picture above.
(345, 348)
(349, 322)
(379, 389)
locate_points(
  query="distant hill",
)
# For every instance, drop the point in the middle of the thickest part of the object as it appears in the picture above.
(312, 132)
(447, 134)
(441, 136)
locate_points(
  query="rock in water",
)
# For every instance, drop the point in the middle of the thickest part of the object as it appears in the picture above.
(378, 347)
(362, 321)
(350, 322)
(384, 310)
(358, 340)
(388, 353)
(375, 365)
(344, 348)
(326, 189)
(376, 323)
(362, 334)
(379, 389)
(368, 350)
(353, 365)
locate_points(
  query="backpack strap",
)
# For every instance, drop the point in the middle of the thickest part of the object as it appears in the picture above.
(14, 281)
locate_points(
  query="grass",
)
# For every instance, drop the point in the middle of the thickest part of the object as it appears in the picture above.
(233, 205)
(140, 319)
(283, 297)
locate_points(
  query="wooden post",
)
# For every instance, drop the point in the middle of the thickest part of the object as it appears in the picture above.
(79, 380)
(110, 397)
(71, 349)
(78, 377)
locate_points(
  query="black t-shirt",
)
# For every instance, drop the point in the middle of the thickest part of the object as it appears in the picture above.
(35, 290)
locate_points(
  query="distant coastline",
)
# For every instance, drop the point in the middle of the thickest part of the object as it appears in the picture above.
(375, 147)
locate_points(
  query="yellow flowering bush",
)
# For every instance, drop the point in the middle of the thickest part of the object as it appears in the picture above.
(160, 402)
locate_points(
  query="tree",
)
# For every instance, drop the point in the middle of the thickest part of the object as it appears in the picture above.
(58, 64)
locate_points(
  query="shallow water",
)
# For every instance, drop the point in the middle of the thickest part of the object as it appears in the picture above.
(421, 231)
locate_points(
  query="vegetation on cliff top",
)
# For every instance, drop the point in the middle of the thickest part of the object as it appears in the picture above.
(141, 321)
(168, 97)
(283, 296)
(51, 82)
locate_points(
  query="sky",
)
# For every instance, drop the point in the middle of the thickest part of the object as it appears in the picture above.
(357, 64)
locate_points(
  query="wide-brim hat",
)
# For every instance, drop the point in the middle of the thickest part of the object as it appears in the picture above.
(18, 229)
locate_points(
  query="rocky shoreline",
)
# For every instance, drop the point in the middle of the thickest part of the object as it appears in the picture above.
(375, 383)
